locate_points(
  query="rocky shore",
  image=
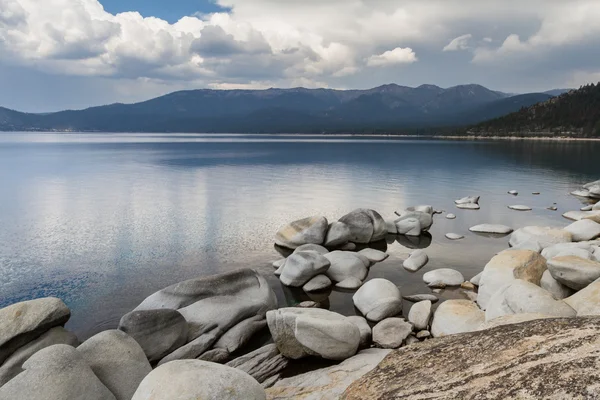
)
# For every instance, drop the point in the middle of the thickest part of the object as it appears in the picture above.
(527, 330)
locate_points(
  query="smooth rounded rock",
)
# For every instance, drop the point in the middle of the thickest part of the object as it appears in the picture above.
(391, 332)
(391, 227)
(456, 316)
(467, 200)
(317, 248)
(513, 192)
(319, 282)
(574, 272)
(338, 234)
(587, 300)
(545, 236)
(415, 298)
(491, 228)
(476, 279)
(373, 255)
(365, 225)
(364, 329)
(468, 206)
(302, 266)
(519, 207)
(349, 283)
(583, 230)
(344, 265)
(417, 260)
(454, 236)
(450, 216)
(378, 299)
(419, 314)
(408, 227)
(554, 287)
(579, 215)
(446, 276)
(303, 231)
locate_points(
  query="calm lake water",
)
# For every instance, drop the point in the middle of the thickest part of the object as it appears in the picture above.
(103, 220)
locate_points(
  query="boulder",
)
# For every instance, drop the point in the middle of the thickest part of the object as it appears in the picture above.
(218, 356)
(391, 227)
(117, 360)
(391, 332)
(14, 363)
(317, 248)
(554, 287)
(350, 283)
(427, 209)
(545, 236)
(468, 200)
(261, 364)
(491, 228)
(574, 272)
(529, 245)
(520, 208)
(319, 282)
(214, 305)
(507, 266)
(540, 359)
(583, 230)
(476, 280)
(408, 227)
(373, 255)
(303, 231)
(302, 266)
(158, 332)
(56, 372)
(365, 226)
(327, 383)
(28, 320)
(415, 298)
(445, 276)
(378, 299)
(301, 332)
(456, 316)
(596, 207)
(338, 234)
(425, 218)
(423, 335)
(587, 300)
(279, 263)
(522, 297)
(195, 379)
(454, 236)
(511, 319)
(417, 260)
(420, 314)
(344, 265)
(579, 215)
(364, 329)
(579, 249)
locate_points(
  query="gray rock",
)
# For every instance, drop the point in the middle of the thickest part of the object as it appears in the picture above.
(520, 208)
(420, 314)
(451, 216)
(425, 218)
(583, 230)
(581, 193)
(27, 321)
(374, 256)
(423, 335)
(327, 383)
(417, 260)
(302, 266)
(545, 236)
(158, 332)
(365, 225)
(574, 272)
(363, 328)
(522, 297)
(14, 363)
(468, 206)
(391, 332)
(261, 364)
(596, 207)
(237, 336)
(511, 319)
(218, 356)
(579, 215)
(427, 209)
(476, 279)
(456, 316)
(303, 231)
(468, 200)
(344, 265)
(300, 332)
(409, 227)
(56, 372)
(117, 360)
(391, 227)
(552, 208)
(279, 263)
(309, 304)
(317, 248)
(446, 276)
(195, 379)
(279, 270)
(415, 298)
(513, 192)
(348, 247)
(319, 282)
(378, 299)
(579, 249)
(529, 245)
(454, 236)
(587, 300)
(349, 283)
(586, 208)
(338, 234)
(491, 228)
(556, 289)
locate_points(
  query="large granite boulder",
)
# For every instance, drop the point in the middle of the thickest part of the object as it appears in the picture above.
(27, 321)
(587, 300)
(261, 364)
(511, 319)
(405, 223)
(507, 266)
(522, 297)
(195, 380)
(327, 383)
(117, 360)
(57, 372)
(302, 266)
(378, 299)
(365, 225)
(212, 306)
(158, 332)
(541, 359)
(574, 272)
(346, 264)
(456, 316)
(545, 236)
(13, 365)
(338, 234)
(580, 249)
(304, 231)
(583, 230)
(554, 287)
(301, 332)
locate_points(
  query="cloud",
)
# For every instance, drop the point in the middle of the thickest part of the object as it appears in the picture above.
(459, 43)
(393, 57)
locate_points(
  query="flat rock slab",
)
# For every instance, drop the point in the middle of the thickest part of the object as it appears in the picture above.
(468, 206)
(491, 228)
(520, 208)
(550, 359)
(415, 298)
(451, 216)
(454, 236)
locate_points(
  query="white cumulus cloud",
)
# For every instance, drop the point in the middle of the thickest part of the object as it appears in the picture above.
(393, 57)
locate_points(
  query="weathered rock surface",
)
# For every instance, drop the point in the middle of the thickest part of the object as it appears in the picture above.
(408, 226)
(574, 272)
(344, 265)
(195, 379)
(350, 283)
(378, 299)
(512, 319)
(338, 234)
(456, 316)
(423, 216)
(57, 372)
(14, 363)
(419, 314)
(417, 260)
(317, 248)
(554, 287)
(587, 300)
(300, 332)
(444, 276)
(26, 321)
(583, 230)
(415, 298)
(545, 236)
(117, 360)
(327, 383)
(468, 200)
(365, 225)
(319, 282)
(158, 332)
(261, 364)
(303, 231)
(491, 228)
(507, 266)
(364, 329)
(391, 333)
(521, 297)
(373, 255)
(541, 359)
(580, 249)
(302, 266)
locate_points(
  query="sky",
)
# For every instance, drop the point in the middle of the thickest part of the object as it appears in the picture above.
(73, 54)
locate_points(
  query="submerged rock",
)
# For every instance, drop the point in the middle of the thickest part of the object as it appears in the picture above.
(454, 236)
(451, 216)
(365, 225)
(378, 299)
(303, 231)
(491, 228)
(468, 206)
(417, 260)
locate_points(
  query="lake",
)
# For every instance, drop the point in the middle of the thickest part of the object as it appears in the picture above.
(103, 220)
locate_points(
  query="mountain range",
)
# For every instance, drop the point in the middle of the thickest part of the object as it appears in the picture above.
(388, 108)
